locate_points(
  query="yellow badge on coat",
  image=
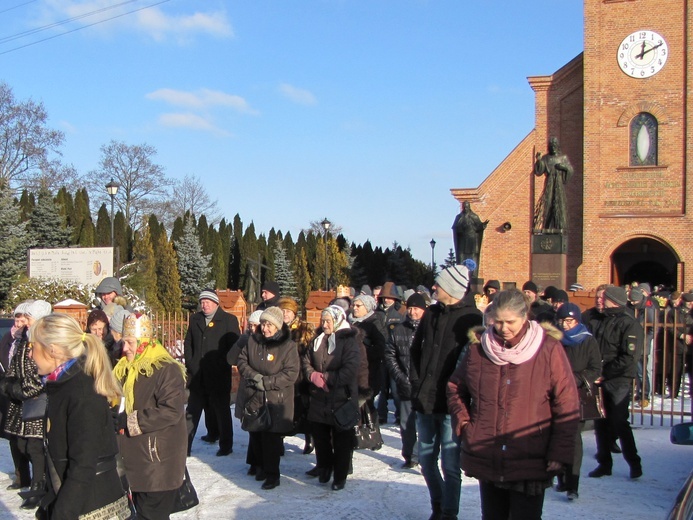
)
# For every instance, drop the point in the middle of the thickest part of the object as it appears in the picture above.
(211, 324)
(270, 357)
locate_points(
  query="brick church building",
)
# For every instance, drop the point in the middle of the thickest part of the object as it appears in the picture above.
(623, 114)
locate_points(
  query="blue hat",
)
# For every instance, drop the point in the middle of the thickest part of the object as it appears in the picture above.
(569, 310)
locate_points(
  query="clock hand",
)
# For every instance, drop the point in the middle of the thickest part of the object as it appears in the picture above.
(642, 54)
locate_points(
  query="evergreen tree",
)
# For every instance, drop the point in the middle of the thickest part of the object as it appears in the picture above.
(46, 226)
(235, 256)
(143, 280)
(14, 242)
(177, 231)
(123, 238)
(84, 232)
(450, 260)
(102, 236)
(303, 281)
(218, 262)
(167, 277)
(283, 273)
(193, 266)
(225, 239)
(26, 205)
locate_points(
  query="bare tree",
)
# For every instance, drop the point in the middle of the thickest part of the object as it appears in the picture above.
(316, 227)
(26, 142)
(143, 184)
(53, 176)
(189, 195)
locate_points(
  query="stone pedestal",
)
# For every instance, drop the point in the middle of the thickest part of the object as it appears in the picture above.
(549, 260)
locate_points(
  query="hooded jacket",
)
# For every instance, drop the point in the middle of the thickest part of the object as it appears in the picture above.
(514, 418)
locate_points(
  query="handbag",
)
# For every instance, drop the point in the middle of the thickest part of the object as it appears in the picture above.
(346, 416)
(367, 432)
(34, 407)
(186, 498)
(257, 419)
(591, 401)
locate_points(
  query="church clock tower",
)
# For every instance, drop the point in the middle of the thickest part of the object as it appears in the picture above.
(638, 142)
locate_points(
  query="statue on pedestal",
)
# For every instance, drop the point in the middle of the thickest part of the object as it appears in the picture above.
(551, 215)
(467, 233)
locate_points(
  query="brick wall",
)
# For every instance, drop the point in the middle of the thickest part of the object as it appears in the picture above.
(589, 104)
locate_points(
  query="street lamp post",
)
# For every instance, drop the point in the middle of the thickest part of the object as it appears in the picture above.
(433, 262)
(112, 189)
(326, 226)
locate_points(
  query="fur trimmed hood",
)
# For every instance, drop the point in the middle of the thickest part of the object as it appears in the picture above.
(475, 333)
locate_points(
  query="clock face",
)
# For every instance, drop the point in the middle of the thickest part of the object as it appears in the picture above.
(642, 54)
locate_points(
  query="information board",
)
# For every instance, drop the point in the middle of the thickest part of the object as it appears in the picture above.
(87, 265)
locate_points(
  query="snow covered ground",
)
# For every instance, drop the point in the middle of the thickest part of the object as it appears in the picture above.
(380, 489)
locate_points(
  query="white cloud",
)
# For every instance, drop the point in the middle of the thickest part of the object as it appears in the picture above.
(202, 99)
(297, 95)
(192, 121)
(154, 21)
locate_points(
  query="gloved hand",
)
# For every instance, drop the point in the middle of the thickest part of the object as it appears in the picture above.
(318, 379)
(257, 378)
(10, 387)
(120, 419)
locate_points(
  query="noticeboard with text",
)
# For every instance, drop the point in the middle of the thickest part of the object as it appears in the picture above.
(87, 265)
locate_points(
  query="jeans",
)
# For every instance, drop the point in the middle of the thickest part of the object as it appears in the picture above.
(388, 391)
(407, 430)
(502, 504)
(644, 371)
(437, 438)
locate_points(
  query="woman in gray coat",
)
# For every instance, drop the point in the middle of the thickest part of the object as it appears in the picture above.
(268, 365)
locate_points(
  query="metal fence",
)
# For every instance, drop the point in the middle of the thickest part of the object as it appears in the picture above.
(665, 367)
(170, 328)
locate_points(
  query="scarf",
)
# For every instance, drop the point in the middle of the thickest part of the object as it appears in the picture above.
(58, 372)
(149, 357)
(575, 336)
(523, 351)
(331, 341)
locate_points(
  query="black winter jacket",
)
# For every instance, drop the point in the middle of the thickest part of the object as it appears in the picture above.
(435, 350)
(620, 339)
(398, 357)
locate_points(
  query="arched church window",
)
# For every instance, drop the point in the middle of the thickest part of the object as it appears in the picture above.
(643, 140)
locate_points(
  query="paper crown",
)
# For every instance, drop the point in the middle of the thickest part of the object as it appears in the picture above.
(138, 326)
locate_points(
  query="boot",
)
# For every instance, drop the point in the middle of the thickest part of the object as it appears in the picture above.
(308, 446)
(436, 511)
(571, 486)
(33, 497)
(325, 475)
(561, 484)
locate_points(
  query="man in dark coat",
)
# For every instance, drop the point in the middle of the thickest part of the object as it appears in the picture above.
(270, 295)
(437, 346)
(211, 333)
(620, 339)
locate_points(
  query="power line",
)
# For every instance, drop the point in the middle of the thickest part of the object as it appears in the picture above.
(15, 7)
(10, 38)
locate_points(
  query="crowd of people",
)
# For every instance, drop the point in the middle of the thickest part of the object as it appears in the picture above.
(487, 384)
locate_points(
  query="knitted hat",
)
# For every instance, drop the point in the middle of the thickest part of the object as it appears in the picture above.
(645, 288)
(22, 308)
(286, 302)
(366, 289)
(569, 310)
(274, 316)
(109, 284)
(416, 300)
(576, 287)
(549, 292)
(271, 287)
(469, 264)
(616, 295)
(560, 296)
(368, 302)
(454, 280)
(138, 326)
(636, 295)
(38, 309)
(687, 296)
(118, 320)
(492, 284)
(342, 303)
(254, 318)
(530, 286)
(209, 294)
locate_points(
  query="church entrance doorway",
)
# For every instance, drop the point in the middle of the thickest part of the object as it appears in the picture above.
(644, 260)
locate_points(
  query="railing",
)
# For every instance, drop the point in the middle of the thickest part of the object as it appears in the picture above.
(170, 328)
(667, 364)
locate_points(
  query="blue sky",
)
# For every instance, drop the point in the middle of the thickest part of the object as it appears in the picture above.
(366, 112)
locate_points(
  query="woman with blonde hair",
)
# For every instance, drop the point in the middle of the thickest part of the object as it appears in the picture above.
(81, 442)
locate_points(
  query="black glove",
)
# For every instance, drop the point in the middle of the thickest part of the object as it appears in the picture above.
(120, 420)
(10, 387)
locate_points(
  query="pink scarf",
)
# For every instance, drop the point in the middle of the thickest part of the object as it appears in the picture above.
(523, 351)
